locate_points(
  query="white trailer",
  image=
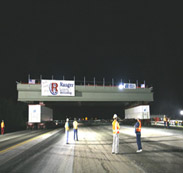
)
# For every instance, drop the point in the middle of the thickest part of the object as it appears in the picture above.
(142, 112)
(39, 116)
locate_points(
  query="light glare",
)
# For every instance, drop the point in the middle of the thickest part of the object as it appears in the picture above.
(120, 86)
(181, 112)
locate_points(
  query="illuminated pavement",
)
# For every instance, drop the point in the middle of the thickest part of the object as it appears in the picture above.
(162, 151)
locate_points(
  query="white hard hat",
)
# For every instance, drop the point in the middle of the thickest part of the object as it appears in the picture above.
(115, 116)
(67, 119)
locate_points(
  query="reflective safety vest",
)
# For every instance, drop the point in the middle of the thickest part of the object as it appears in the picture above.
(67, 126)
(2, 124)
(115, 127)
(164, 119)
(75, 125)
(138, 129)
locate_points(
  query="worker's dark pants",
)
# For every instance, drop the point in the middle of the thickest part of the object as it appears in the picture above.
(2, 131)
(164, 123)
(76, 134)
(138, 136)
(168, 124)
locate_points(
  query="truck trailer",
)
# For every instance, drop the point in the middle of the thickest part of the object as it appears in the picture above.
(39, 117)
(142, 112)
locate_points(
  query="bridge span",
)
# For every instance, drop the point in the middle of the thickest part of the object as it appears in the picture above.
(32, 93)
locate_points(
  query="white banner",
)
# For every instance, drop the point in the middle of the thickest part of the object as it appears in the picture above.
(32, 81)
(57, 88)
(129, 86)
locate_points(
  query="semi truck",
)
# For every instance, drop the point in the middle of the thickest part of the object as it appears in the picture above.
(39, 117)
(142, 112)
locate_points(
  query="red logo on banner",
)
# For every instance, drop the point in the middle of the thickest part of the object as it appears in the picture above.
(54, 88)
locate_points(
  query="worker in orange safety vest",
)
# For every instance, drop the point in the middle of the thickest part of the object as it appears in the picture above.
(2, 127)
(115, 127)
(138, 134)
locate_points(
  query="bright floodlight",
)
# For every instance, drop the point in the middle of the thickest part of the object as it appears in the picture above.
(181, 112)
(120, 86)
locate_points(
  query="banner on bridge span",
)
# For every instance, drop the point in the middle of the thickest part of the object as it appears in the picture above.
(57, 88)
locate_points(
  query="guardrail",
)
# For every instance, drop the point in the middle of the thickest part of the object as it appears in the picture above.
(94, 82)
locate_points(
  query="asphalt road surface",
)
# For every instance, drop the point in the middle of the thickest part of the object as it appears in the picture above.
(47, 152)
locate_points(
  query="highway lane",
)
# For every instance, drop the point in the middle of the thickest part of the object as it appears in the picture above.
(47, 153)
(162, 152)
(11, 139)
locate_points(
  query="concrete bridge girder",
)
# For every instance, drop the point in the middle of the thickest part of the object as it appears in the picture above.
(32, 93)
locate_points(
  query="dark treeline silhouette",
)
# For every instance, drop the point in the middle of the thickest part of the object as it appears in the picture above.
(14, 114)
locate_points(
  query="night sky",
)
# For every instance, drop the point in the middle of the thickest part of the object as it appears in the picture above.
(128, 40)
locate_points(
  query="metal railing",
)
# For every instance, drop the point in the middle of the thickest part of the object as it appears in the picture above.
(84, 82)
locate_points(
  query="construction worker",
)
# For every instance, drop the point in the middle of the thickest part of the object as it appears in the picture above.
(115, 127)
(75, 127)
(138, 134)
(67, 130)
(168, 122)
(165, 121)
(2, 127)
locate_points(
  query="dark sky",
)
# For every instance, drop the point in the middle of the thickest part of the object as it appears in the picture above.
(132, 40)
